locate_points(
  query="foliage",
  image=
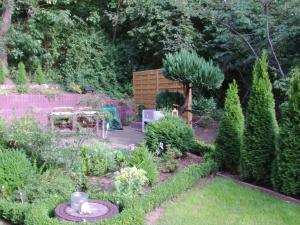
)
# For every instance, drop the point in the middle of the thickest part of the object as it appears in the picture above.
(141, 158)
(168, 163)
(287, 165)
(200, 148)
(15, 169)
(130, 181)
(26, 133)
(166, 99)
(2, 75)
(188, 68)
(133, 209)
(98, 160)
(261, 128)
(39, 76)
(51, 182)
(204, 106)
(21, 78)
(171, 131)
(230, 135)
(74, 88)
(22, 88)
(225, 196)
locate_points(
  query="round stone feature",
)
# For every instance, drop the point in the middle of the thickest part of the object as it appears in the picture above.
(99, 211)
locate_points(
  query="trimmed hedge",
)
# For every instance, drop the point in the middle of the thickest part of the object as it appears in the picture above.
(134, 210)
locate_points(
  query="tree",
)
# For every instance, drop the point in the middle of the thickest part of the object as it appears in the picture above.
(21, 74)
(192, 71)
(260, 127)
(286, 171)
(5, 22)
(39, 75)
(230, 136)
(2, 75)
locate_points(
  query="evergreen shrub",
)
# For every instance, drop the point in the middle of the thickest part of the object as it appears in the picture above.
(167, 99)
(286, 171)
(230, 135)
(39, 76)
(15, 169)
(21, 78)
(2, 75)
(261, 127)
(170, 130)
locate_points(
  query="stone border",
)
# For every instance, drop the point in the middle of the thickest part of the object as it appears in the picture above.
(60, 214)
(259, 188)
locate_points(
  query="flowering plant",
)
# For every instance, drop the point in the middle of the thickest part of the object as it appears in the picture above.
(129, 181)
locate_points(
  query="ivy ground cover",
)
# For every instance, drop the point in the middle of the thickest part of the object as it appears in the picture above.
(221, 201)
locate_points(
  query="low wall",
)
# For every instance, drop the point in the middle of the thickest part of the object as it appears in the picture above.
(16, 106)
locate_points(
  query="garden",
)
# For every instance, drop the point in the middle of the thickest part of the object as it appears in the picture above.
(224, 148)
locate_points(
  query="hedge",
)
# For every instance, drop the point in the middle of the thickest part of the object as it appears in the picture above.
(133, 212)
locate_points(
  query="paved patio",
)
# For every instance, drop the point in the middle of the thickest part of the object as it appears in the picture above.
(125, 137)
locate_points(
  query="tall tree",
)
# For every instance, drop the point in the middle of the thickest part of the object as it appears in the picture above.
(230, 136)
(192, 71)
(286, 171)
(5, 23)
(261, 127)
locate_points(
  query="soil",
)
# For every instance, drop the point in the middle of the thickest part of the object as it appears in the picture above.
(105, 183)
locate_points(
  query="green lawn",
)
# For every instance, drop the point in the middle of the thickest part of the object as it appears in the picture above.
(223, 202)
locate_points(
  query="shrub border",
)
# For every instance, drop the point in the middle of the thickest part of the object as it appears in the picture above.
(134, 210)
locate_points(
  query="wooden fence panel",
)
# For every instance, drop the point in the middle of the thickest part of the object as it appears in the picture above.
(147, 84)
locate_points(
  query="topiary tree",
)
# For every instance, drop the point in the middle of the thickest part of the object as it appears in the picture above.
(260, 127)
(2, 75)
(230, 137)
(192, 71)
(21, 74)
(286, 171)
(39, 76)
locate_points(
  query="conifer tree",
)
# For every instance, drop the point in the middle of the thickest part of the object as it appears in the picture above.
(286, 171)
(39, 75)
(2, 75)
(261, 127)
(21, 74)
(230, 137)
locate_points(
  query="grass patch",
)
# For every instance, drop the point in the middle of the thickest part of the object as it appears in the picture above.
(222, 201)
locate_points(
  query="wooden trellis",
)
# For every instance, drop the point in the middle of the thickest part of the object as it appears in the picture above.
(147, 84)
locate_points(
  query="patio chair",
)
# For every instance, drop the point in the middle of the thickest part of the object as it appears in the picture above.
(150, 115)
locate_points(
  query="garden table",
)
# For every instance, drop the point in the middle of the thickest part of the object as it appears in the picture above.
(74, 117)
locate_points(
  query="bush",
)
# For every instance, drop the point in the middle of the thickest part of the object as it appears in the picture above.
(285, 177)
(260, 127)
(130, 181)
(201, 148)
(134, 210)
(166, 99)
(204, 106)
(172, 131)
(141, 158)
(39, 76)
(15, 169)
(168, 163)
(27, 134)
(42, 185)
(2, 75)
(230, 135)
(98, 160)
(21, 74)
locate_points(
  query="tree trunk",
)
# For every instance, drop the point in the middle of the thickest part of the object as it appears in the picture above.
(5, 23)
(184, 107)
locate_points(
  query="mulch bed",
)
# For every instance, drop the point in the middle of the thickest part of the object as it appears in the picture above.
(106, 182)
(239, 180)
